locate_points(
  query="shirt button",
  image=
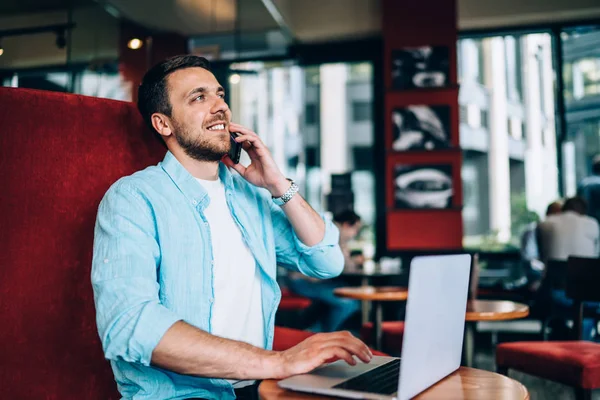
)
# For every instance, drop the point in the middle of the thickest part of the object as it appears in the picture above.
(206, 224)
(194, 202)
(106, 261)
(211, 300)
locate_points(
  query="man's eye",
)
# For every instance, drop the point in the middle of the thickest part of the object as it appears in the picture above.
(221, 95)
(201, 97)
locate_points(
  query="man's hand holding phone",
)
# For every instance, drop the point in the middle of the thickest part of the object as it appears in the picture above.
(262, 171)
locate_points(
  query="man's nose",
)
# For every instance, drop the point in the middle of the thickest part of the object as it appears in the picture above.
(219, 106)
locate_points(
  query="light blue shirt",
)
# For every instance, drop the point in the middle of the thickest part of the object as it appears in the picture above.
(152, 266)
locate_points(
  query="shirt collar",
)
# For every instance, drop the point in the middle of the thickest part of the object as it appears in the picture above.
(189, 186)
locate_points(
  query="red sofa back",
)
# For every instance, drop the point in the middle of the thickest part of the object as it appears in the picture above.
(59, 153)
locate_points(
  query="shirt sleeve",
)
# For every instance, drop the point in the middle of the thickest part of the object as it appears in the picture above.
(323, 260)
(130, 318)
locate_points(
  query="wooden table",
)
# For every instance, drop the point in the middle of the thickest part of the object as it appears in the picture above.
(464, 384)
(376, 295)
(366, 277)
(495, 310)
(488, 310)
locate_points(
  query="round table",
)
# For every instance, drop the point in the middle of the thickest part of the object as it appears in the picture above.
(495, 310)
(463, 384)
(488, 310)
(376, 295)
(366, 277)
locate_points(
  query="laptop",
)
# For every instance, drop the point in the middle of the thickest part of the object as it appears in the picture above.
(432, 342)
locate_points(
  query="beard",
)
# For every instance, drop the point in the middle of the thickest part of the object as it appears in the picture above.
(201, 148)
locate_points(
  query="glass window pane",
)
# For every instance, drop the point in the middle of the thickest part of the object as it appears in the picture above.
(507, 135)
(317, 122)
(581, 73)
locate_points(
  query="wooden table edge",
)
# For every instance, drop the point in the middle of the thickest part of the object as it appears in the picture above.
(272, 389)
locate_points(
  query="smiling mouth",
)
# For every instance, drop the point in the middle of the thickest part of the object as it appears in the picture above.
(217, 127)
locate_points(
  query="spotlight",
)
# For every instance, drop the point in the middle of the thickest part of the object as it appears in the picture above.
(61, 40)
(234, 79)
(135, 44)
(1, 48)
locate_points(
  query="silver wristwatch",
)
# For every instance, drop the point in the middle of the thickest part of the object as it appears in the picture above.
(287, 196)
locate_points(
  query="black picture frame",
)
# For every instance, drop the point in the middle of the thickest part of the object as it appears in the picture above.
(421, 128)
(423, 186)
(420, 67)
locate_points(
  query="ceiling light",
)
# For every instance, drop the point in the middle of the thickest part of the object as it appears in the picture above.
(1, 48)
(234, 79)
(135, 44)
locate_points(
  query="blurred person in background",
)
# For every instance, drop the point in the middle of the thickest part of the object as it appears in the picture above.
(589, 190)
(530, 249)
(337, 309)
(570, 233)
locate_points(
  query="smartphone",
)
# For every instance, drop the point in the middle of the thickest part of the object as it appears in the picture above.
(236, 148)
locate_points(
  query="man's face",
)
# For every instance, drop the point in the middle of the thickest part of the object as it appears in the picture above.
(199, 115)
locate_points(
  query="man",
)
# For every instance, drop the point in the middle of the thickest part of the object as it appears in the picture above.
(337, 309)
(589, 190)
(529, 240)
(530, 249)
(570, 233)
(185, 254)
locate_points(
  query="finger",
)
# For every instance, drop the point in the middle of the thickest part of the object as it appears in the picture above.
(238, 167)
(253, 139)
(353, 346)
(233, 127)
(340, 353)
(252, 143)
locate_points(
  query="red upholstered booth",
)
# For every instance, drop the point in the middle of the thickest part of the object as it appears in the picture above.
(59, 153)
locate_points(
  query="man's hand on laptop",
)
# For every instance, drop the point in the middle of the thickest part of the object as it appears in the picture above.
(320, 349)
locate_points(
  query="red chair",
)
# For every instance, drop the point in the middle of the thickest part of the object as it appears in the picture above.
(293, 302)
(392, 335)
(575, 363)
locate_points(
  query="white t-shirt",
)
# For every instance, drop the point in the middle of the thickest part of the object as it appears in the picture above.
(569, 234)
(237, 308)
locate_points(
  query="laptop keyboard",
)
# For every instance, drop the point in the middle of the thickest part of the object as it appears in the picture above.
(381, 380)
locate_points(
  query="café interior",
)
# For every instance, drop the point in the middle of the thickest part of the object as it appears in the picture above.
(420, 128)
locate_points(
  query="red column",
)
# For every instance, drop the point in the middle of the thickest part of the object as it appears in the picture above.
(410, 24)
(133, 64)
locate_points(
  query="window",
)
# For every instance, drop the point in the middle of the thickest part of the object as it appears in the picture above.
(581, 72)
(311, 114)
(361, 111)
(97, 81)
(505, 177)
(306, 147)
(513, 67)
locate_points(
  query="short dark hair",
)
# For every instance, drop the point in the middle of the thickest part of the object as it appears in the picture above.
(153, 95)
(576, 204)
(346, 217)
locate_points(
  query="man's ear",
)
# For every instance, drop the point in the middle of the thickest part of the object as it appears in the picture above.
(162, 124)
